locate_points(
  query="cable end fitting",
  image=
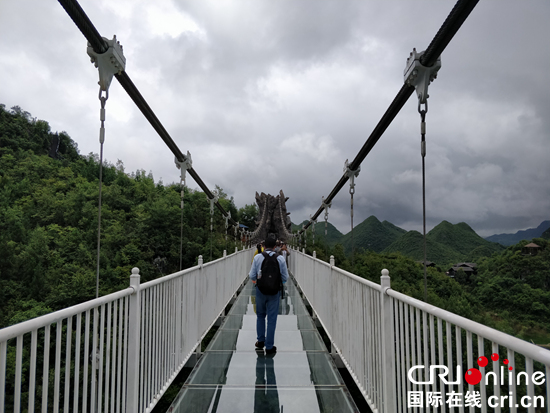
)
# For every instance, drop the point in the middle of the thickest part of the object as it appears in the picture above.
(351, 174)
(420, 76)
(184, 165)
(109, 63)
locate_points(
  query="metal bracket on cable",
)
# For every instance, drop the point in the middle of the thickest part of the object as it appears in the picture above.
(420, 76)
(351, 174)
(227, 218)
(108, 63)
(212, 202)
(326, 207)
(184, 165)
(312, 222)
(242, 237)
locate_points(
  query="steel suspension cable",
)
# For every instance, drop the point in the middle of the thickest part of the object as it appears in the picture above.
(79, 17)
(448, 29)
(423, 155)
(102, 99)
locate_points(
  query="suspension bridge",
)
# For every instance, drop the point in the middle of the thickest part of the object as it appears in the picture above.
(122, 351)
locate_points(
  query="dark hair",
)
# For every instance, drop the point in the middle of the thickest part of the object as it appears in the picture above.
(270, 241)
(259, 248)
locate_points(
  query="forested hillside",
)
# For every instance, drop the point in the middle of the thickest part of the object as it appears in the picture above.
(446, 244)
(49, 220)
(333, 235)
(372, 235)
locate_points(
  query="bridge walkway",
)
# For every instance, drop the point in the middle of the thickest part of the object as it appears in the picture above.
(232, 376)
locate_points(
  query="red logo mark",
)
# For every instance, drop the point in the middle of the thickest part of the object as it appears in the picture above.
(473, 375)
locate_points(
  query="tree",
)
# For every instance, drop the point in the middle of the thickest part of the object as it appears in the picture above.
(248, 215)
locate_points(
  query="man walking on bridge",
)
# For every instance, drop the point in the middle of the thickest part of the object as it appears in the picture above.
(269, 279)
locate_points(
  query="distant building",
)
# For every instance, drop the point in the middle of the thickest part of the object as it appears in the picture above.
(469, 268)
(531, 249)
(428, 263)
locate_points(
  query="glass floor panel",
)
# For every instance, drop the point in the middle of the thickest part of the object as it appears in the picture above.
(248, 322)
(243, 340)
(247, 368)
(232, 376)
(262, 399)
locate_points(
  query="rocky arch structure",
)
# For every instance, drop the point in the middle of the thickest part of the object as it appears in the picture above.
(273, 217)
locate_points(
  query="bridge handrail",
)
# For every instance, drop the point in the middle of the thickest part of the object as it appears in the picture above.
(24, 327)
(169, 277)
(122, 349)
(381, 334)
(513, 343)
(354, 329)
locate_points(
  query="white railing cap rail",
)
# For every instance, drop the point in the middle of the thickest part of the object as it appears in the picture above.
(45, 320)
(513, 343)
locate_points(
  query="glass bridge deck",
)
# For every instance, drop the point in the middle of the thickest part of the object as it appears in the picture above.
(233, 377)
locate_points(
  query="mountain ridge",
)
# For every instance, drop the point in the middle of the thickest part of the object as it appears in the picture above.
(511, 239)
(446, 243)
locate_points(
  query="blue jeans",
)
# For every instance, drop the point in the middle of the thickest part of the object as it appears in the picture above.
(266, 305)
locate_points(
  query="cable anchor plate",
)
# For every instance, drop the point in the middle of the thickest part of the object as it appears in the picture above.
(325, 206)
(420, 76)
(109, 63)
(227, 218)
(184, 165)
(213, 200)
(351, 174)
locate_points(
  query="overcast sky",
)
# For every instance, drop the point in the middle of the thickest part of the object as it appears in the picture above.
(270, 95)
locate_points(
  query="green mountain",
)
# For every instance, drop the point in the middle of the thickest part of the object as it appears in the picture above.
(412, 245)
(446, 244)
(373, 235)
(461, 238)
(333, 235)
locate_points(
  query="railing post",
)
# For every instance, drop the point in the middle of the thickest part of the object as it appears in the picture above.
(200, 261)
(332, 260)
(132, 391)
(388, 345)
(314, 254)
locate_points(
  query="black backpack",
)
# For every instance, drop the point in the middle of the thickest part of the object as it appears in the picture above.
(270, 282)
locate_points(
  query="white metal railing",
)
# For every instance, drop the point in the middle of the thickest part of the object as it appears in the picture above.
(120, 352)
(348, 307)
(381, 335)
